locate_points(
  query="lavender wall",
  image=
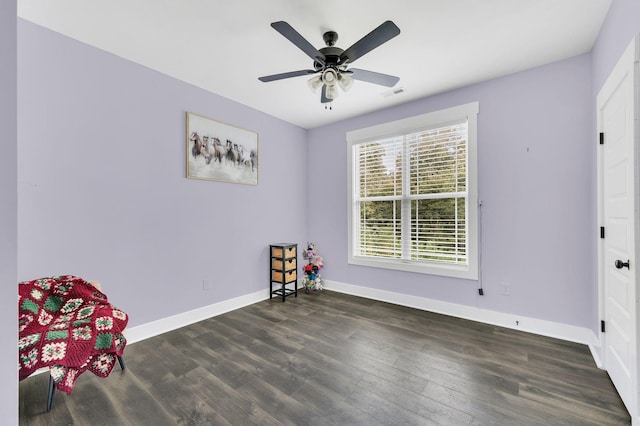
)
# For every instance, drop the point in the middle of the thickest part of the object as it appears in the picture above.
(535, 179)
(8, 210)
(103, 193)
(620, 26)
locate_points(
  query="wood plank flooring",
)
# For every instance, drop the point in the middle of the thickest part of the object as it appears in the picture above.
(333, 359)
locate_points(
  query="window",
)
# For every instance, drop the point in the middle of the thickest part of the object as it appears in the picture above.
(413, 194)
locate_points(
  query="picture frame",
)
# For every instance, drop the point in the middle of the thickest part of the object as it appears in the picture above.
(220, 152)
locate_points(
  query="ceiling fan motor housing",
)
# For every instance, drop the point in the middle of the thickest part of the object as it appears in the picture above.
(331, 57)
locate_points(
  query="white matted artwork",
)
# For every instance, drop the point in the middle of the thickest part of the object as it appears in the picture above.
(221, 152)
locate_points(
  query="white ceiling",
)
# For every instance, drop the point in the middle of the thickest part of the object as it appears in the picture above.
(224, 46)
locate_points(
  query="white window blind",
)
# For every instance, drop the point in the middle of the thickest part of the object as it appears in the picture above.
(410, 197)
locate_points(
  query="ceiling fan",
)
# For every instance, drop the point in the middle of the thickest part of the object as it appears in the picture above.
(331, 63)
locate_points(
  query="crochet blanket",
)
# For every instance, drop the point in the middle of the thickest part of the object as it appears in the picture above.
(68, 325)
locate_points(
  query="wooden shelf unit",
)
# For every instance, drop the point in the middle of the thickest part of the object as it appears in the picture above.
(283, 264)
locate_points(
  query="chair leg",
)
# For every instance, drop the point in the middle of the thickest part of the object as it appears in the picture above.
(121, 361)
(52, 386)
(52, 389)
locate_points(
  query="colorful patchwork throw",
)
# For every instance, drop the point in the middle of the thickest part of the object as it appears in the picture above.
(68, 325)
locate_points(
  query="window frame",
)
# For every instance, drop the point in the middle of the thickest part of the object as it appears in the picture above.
(431, 120)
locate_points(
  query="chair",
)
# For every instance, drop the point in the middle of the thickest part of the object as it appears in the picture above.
(67, 325)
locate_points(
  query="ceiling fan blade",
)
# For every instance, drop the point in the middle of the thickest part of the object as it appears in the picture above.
(294, 37)
(382, 34)
(373, 77)
(283, 75)
(323, 97)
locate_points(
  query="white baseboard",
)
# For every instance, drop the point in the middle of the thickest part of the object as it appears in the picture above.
(154, 328)
(567, 332)
(531, 325)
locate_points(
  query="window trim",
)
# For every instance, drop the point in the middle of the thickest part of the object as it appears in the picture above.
(405, 126)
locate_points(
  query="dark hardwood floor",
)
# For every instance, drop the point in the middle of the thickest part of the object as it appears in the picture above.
(334, 359)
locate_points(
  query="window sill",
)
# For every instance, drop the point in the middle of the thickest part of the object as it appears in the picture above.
(454, 271)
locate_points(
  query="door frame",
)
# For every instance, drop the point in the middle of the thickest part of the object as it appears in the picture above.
(629, 59)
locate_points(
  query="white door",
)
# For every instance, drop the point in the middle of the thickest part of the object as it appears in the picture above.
(618, 204)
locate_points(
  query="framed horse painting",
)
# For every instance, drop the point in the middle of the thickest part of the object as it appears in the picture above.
(221, 152)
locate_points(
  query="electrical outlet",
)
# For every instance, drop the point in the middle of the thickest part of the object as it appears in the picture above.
(506, 289)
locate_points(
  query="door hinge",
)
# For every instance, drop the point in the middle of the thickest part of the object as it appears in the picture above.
(602, 232)
(601, 138)
(602, 326)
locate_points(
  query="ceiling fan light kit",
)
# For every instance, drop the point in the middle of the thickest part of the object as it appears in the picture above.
(331, 63)
(315, 83)
(332, 92)
(345, 82)
(329, 76)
